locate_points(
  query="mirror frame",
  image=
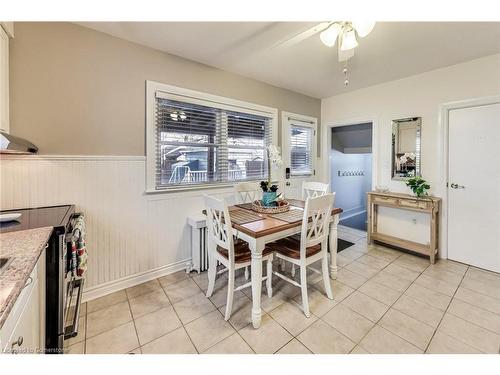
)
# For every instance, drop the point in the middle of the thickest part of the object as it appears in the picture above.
(418, 147)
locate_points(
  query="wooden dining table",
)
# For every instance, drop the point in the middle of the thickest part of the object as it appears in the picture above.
(269, 229)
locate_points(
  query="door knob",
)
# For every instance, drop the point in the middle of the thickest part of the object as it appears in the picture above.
(18, 342)
(457, 186)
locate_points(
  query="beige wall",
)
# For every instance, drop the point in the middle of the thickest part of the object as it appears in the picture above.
(78, 91)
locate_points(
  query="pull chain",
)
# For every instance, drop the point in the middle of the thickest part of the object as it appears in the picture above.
(346, 77)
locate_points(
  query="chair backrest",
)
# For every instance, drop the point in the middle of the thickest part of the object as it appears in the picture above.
(313, 189)
(247, 192)
(316, 221)
(219, 224)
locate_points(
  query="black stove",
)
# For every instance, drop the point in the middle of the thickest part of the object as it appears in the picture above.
(53, 216)
(57, 279)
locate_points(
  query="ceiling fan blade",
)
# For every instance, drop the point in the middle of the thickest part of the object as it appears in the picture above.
(302, 36)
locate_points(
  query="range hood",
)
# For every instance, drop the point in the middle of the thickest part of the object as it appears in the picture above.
(10, 144)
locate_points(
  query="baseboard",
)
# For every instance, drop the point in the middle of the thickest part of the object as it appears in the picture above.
(133, 280)
(350, 214)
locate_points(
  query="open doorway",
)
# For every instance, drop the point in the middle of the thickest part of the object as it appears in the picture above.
(351, 172)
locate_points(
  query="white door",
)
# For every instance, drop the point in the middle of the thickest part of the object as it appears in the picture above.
(299, 152)
(474, 186)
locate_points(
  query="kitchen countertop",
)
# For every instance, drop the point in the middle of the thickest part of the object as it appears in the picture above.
(24, 247)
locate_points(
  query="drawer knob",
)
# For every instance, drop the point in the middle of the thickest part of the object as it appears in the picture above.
(28, 282)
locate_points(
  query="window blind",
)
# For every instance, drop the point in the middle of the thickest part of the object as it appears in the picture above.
(202, 144)
(301, 150)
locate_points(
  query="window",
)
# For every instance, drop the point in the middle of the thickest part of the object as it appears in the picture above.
(301, 161)
(200, 140)
(299, 144)
(301, 150)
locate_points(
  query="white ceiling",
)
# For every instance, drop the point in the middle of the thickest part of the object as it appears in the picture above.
(393, 50)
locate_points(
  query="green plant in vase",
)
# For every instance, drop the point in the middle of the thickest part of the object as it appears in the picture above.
(419, 186)
(269, 191)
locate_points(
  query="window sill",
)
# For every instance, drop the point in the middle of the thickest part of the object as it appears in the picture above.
(186, 188)
(178, 189)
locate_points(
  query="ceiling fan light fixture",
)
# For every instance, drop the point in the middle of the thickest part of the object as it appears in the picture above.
(348, 40)
(329, 36)
(363, 28)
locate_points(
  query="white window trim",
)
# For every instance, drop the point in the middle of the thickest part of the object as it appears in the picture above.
(307, 121)
(182, 94)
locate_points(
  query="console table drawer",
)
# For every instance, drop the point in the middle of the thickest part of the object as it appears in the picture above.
(384, 200)
(415, 203)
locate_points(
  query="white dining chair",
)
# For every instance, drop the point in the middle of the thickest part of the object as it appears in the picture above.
(311, 189)
(247, 192)
(233, 256)
(311, 247)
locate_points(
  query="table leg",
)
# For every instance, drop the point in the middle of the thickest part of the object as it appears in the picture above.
(333, 246)
(256, 270)
(370, 219)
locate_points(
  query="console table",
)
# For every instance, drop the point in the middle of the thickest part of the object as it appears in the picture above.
(429, 205)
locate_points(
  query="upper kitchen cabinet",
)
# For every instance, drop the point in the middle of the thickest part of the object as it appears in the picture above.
(6, 31)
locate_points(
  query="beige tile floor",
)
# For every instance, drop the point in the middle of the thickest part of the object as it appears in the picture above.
(386, 301)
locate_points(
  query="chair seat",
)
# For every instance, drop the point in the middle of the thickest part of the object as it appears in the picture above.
(242, 252)
(290, 247)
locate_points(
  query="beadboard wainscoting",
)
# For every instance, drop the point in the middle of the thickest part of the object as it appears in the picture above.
(132, 237)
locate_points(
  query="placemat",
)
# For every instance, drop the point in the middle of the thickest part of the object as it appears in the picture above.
(246, 206)
(244, 216)
(291, 216)
(297, 203)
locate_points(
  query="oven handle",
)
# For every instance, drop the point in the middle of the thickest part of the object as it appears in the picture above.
(72, 330)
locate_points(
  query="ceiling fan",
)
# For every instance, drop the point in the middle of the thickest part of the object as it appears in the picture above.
(346, 32)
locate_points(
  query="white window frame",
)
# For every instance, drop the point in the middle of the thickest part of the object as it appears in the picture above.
(195, 97)
(287, 119)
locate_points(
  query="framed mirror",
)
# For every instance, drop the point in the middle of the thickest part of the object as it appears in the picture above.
(406, 134)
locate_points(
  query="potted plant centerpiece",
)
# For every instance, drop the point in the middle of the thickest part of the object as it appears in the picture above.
(269, 191)
(419, 186)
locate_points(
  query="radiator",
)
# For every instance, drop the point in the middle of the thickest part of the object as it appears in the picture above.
(199, 252)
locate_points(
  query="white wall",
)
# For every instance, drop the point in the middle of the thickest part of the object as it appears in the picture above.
(419, 95)
(131, 237)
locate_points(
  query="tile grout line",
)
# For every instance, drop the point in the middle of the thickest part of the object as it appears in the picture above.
(446, 310)
(354, 290)
(482, 294)
(178, 316)
(133, 321)
(166, 333)
(472, 323)
(218, 310)
(390, 306)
